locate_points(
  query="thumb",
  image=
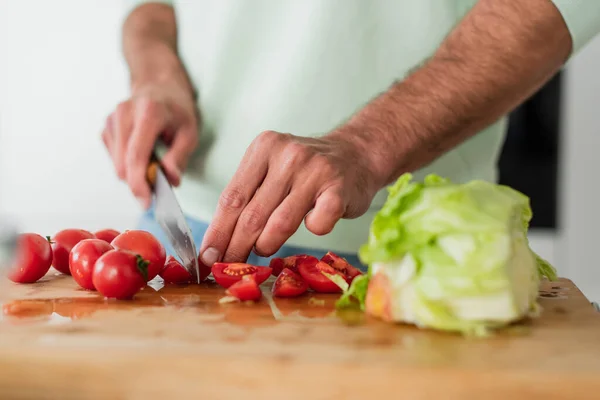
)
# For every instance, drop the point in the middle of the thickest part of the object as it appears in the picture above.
(175, 160)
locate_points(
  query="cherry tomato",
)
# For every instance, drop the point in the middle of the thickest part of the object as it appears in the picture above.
(108, 235)
(204, 269)
(82, 259)
(311, 272)
(146, 245)
(174, 272)
(62, 244)
(226, 274)
(292, 262)
(246, 289)
(340, 263)
(289, 284)
(120, 274)
(33, 258)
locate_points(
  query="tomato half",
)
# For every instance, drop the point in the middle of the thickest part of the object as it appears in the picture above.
(82, 259)
(146, 245)
(246, 289)
(62, 244)
(120, 274)
(341, 264)
(108, 235)
(311, 272)
(174, 272)
(289, 284)
(204, 269)
(32, 260)
(226, 274)
(291, 262)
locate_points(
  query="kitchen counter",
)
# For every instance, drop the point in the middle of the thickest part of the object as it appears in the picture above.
(59, 342)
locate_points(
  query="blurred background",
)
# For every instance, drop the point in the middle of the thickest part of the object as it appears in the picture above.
(61, 73)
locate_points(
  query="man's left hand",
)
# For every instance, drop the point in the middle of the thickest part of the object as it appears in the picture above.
(283, 180)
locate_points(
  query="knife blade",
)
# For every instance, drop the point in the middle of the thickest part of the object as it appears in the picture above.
(171, 219)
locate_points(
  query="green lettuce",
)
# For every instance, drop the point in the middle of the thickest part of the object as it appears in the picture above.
(454, 256)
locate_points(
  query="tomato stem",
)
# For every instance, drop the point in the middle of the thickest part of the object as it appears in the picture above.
(49, 239)
(142, 266)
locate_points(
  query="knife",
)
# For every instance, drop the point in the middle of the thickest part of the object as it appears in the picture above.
(171, 219)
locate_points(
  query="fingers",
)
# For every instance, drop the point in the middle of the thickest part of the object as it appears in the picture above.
(255, 215)
(284, 222)
(176, 158)
(149, 121)
(329, 209)
(122, 124)
(233, 200)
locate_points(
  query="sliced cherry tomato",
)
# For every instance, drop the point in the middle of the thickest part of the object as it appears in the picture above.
(311, 272)
(62, 244)
(226, 274)
(108, 235)
(33, 258)
(245, 289)
(341, 264)
(120, 274)
(204, 270)
(291, 262)
(289, 284)
(82, 259)
(146, 245)
(174, 272)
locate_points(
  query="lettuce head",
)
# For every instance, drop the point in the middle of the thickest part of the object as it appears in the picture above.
(450, 256)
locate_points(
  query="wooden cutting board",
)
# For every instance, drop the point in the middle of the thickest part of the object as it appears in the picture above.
(58, 342)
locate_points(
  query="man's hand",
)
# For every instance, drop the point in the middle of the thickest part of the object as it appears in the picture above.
(500, 53)
(281, 181)
(162, 105)
(132, 130)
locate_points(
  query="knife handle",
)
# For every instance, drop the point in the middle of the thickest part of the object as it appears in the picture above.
(153, 165)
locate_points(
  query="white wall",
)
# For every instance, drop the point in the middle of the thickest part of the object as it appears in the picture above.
(61, 73)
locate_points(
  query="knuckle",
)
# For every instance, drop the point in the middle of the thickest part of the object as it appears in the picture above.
(264, 249)
(122, 109)
(334, 206)
(284, 224)
(294, 154)
(232, 199)
(252, 219)
(148, 107)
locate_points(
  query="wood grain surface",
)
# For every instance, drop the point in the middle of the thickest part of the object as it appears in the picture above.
(178, 342)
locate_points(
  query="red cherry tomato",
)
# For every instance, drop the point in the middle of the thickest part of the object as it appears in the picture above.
(108, 235)
(120, 274)
(146, 245)
(82, 259)
(246, 289)
(204, 270)
(289, 284)
(311, 272)
(62, 244)
(340, 263)
(33, 258)
(226, 274)
(292, 262)
(174, 272)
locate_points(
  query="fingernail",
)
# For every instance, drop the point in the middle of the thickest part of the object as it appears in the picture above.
(210, 256)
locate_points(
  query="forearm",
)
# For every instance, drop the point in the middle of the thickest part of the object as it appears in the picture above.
(150, 48)
(499, 55)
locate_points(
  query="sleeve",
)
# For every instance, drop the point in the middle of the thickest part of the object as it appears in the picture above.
(130, 5)
(582, 18)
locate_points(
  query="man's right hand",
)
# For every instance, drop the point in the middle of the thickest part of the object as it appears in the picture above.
(133, 128)
(162, 104)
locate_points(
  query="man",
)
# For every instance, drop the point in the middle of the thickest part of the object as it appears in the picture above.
(285, 120)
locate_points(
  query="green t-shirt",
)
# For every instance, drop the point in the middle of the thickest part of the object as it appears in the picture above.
(305, 66)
